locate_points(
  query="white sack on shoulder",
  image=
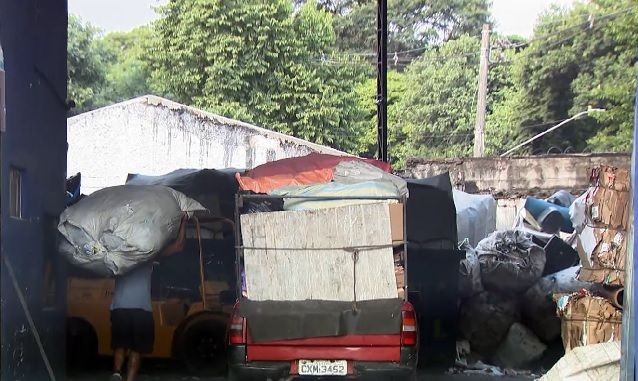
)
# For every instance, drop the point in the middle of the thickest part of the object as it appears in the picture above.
(114, 229)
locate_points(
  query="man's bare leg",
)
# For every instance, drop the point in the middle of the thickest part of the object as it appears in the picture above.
(118, 363)
(134, 360)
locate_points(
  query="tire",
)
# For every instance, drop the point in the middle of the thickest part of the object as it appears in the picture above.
(202, 347)
(232, 376)
(81, 344)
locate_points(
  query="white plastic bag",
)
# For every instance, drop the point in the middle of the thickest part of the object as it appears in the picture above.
(114, 229)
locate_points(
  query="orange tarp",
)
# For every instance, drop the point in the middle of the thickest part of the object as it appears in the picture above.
(310, 169)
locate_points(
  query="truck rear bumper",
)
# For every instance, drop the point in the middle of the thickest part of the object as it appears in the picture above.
(239, 369)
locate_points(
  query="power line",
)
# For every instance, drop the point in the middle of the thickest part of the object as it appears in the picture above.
(514, 46)
(587, 23)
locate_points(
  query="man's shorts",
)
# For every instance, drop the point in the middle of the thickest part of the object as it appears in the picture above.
(132, 329)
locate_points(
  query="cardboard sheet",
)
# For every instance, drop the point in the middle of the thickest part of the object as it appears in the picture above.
(608, 207)
(602, 252)
(591, 363)
(308, 255)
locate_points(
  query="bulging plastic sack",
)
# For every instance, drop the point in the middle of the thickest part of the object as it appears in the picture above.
(115, 229)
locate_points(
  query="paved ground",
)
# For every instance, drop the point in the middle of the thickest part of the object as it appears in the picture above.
(170, 371)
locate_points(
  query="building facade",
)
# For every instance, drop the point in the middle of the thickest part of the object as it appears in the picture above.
(150, 135)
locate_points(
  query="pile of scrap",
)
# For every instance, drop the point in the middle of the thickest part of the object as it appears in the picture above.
(494, 279)
(558, 274)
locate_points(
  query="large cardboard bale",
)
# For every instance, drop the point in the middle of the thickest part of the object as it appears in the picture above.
(608, 198)
(485, 320)
(587, 319)
(603, 253)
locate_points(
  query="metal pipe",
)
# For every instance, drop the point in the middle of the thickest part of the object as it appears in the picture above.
(615, 295)
(559, 125)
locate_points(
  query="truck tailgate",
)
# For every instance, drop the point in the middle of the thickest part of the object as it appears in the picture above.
(350, 347)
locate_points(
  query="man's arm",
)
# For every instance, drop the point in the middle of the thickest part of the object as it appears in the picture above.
(178, 245)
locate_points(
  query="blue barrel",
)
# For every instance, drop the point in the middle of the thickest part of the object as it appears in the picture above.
(550, 216)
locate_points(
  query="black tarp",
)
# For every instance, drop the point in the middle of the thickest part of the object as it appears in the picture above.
(287, 320)
(214, 189)
(433, 290)
(431, 214)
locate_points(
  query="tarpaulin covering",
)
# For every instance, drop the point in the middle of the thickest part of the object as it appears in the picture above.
(336, 190)
(214, 189)
(475, 216)
(287, 320)
(431, 197)
(352, 172)
(310, 169)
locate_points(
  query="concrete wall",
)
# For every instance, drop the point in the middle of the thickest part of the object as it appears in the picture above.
(522, 175)
(153, 136)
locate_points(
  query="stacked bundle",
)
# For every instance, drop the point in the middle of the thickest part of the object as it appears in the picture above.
(600, 217)
(588, 319)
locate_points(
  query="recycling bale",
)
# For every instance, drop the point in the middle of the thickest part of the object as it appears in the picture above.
(485, 320)
(519, 349)
(538, 307)
(510, 262)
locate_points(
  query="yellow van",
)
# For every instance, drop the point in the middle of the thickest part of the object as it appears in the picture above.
(193, 294)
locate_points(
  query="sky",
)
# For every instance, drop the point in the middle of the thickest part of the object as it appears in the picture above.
(511, 16)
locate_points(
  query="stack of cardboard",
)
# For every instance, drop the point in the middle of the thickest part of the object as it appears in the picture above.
(587, 320)
(602, 247)
(602, 243)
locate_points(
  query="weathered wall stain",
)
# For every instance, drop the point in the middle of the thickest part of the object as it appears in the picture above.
(504, 177)
(153, 136)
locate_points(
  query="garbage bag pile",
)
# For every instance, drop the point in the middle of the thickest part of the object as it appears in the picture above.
(115, 229)
(561, 265)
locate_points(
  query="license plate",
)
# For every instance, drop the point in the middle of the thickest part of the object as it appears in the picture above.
(323, 368)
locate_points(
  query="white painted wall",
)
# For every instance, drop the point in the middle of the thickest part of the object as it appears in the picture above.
(153, 136)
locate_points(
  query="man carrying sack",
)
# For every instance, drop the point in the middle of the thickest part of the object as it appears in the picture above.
(132, 325)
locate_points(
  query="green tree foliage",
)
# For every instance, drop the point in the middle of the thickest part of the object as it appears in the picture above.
(412, 24)
(259, 62)
(86, 74)
(437, 113)
(579, 58)
(367, 92)
(127, 74)
(106, 69)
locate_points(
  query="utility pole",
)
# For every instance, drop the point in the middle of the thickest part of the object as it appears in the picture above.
(481, 104)
(382, 79)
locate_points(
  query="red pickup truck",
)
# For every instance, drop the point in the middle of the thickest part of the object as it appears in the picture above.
(371, 356)
(282, 339)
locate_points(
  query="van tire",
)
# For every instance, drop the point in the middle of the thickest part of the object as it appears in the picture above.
(201, 347)
(81, 344)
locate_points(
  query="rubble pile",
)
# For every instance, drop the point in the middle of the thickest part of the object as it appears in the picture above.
(558, 273)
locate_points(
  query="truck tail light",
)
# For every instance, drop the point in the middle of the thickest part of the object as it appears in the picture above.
(408, 325)
(237, 330)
